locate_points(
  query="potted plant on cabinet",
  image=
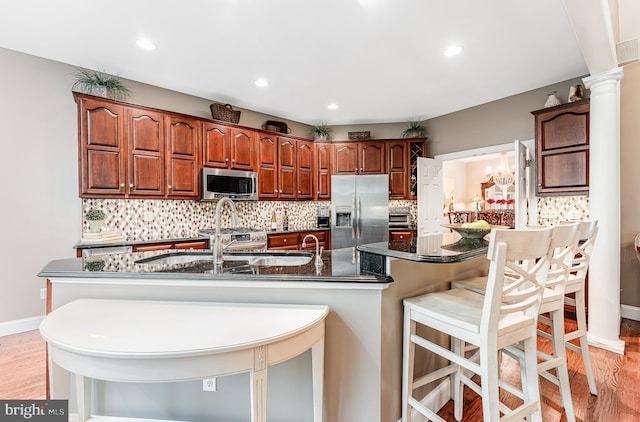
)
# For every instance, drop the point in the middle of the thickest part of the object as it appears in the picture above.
(321, 132)
(95, 218)
(96, 82)
(415, 130)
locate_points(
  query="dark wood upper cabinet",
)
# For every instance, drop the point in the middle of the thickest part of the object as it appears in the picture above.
(562, 149)
(372, 158)
(304, 181)
(102, 149)
(287, 168)
(183, 158)
(322, 183)
(267, 166)
(398, 154)
(146, 148)
(242, 149)
(215, 145)
(345, 158)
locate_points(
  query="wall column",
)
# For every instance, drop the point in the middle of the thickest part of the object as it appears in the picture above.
(604, 203)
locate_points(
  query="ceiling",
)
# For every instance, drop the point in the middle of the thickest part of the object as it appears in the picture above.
(381, 61)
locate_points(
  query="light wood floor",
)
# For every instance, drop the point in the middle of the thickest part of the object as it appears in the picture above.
(22, 376)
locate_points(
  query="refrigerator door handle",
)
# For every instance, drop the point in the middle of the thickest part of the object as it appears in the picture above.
(353, 217)
(359, 208)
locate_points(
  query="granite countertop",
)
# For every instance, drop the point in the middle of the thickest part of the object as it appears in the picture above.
(187, 238)
(435, 248)
(340, 265)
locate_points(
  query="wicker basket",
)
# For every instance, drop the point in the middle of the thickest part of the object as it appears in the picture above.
(358, 136)
(275, 126)
(224, 112)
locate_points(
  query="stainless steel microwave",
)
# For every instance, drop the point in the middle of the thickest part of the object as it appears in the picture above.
(233, 184)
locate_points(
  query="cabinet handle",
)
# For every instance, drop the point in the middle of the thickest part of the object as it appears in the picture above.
(284, 240)
(121, 185)
(233, 160)
(169, 186)
(226, 160)
(130, 185)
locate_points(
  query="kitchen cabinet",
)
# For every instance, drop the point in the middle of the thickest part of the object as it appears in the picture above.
(158, 246)
(398, 154)
(267, 147)
(401, 234)
(562, 149)
(285, 168)
(304, 170)
(417, 149)
(182, 156)
(216, 145)
(322, 182)
(242, 149)
(102, 153)
(359, 158)
(127, 151)
(293, 241)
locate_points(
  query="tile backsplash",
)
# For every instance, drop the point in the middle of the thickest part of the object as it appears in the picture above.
(150, 219)
(554, 209)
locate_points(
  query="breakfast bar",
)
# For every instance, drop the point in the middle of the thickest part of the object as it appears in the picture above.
(362, 287)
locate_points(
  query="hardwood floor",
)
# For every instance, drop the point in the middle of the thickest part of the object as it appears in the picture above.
(22, 376)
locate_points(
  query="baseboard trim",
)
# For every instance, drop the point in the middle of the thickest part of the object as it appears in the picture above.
(630, 312)
(612, 346)
(20, 325)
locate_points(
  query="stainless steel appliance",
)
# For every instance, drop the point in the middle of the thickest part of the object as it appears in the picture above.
(233, 184)
(324, 221)
(239, 238)
(359, 210)
(399, 217)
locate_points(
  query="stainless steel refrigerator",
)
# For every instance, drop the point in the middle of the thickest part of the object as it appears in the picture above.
(359, 210)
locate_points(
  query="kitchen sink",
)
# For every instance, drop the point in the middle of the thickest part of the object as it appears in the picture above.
(254, 258)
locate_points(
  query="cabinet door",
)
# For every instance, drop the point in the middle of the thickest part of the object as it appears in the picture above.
(242, 149)
(562, 149)
(345, 158)
(286, 241)
(215, 145)
(323, 171)
(417, 149)
(372, 158)
(102, 161)
(305, 169)
(401, 234)
(398, 169)
(287, 168)
(267, 167)
(183, 159)
(146, 152)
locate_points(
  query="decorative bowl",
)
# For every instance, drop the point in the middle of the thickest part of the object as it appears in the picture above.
(470, 233)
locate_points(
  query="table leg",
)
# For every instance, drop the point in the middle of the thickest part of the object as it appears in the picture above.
(317, 373)
(83, 395)
(259, 385)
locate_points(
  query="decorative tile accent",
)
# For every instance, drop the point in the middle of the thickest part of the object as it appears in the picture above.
(151, 219)
(554, 209)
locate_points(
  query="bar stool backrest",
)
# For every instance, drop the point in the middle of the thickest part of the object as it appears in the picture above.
(564, 242)
(520, 291)
(588, 231)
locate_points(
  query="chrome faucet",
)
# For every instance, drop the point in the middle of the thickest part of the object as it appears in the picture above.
(217, 245)
(319, 249)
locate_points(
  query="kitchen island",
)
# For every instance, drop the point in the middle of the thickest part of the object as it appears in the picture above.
(364, 290)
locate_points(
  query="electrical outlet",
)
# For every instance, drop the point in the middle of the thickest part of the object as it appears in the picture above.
(209, 384)
(549, 214)
(43, 293)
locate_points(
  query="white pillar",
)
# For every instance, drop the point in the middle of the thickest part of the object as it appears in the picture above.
(604, 206)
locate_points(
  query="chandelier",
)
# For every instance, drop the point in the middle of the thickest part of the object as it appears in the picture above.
(503, 176)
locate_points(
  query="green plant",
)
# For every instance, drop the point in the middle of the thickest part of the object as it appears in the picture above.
(90, 81)
(94, 214)
(321, 130)
(415, 130)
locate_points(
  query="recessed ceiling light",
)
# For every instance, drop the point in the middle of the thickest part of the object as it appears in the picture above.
(332, 106)
(146, 44)
(452, 50)
(261, 82)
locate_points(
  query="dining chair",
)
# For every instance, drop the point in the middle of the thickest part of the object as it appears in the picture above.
(456, 217)
(491, 217)
(507, 314)
(564, 242)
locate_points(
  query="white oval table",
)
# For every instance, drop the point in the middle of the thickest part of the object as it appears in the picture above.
(156, 341)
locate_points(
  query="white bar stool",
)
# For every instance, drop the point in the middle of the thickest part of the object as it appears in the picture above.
(505, 315)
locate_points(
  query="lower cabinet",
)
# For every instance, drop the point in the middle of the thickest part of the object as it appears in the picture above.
(401, 234)
(160, 246)
(293, 241)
